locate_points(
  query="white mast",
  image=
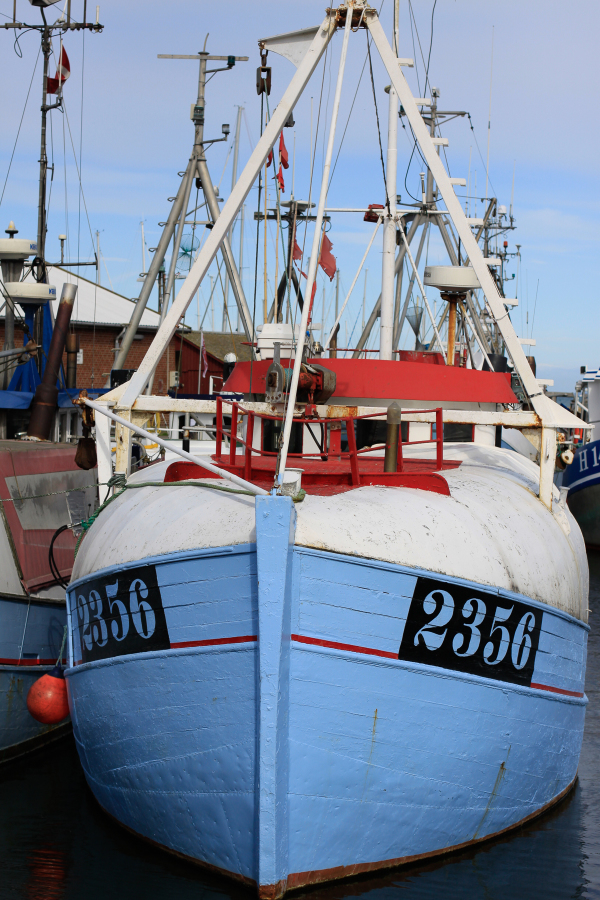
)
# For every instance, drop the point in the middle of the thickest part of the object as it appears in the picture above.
(314, 256)
(388, 272)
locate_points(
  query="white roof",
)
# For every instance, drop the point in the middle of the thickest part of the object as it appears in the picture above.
(95, 303)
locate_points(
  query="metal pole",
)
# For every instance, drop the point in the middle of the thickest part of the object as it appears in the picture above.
(314, 259)
(232, 206)
(241, 258)
(232, 271)
(155, 265)
(375, 313)
(198, 460)
(236, 151)
(355, 279)
(41, 235)
(9, 340)
(386, 322)
(188, 178)
(547, 409)
(425, 300)
(398, 332)
(45, 401)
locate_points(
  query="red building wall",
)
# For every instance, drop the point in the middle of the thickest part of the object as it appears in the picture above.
(98, 345)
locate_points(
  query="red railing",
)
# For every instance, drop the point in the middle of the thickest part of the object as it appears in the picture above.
(331, 441)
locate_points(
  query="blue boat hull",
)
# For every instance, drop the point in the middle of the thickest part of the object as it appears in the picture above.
(582, 478)
(31, 636)
(328, 746)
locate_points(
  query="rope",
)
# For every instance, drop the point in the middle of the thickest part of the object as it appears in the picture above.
(87, 523)
(62, 647)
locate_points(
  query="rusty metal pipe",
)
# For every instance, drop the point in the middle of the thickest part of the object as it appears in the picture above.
(451, 332)
(394, 422)
(72, 344)
(45, 401)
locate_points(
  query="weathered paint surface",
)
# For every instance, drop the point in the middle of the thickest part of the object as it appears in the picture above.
(388, 759)
(492, 530)
(38, 627)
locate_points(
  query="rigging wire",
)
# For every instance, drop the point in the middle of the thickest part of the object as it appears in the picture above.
(387, 198)
(416, 145)
(20, 125)
(480, 155)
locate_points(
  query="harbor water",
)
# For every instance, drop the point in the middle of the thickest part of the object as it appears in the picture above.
(57, 844)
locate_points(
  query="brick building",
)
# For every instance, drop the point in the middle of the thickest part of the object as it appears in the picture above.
(99, 319)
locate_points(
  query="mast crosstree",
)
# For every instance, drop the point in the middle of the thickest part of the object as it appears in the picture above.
(196, 169)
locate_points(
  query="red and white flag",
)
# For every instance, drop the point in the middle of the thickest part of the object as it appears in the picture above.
(327, 259)
(63, 71)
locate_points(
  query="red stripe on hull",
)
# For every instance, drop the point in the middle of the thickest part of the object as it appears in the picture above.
(22, 663)
(555, 690)
(385, 653)
(336, 646)
(245, 639)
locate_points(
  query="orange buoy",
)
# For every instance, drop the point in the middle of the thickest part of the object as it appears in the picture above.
(47, 698)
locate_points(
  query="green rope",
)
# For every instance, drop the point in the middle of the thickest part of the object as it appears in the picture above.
(87, 524)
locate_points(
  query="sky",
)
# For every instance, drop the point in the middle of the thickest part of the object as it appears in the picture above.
(527, 68)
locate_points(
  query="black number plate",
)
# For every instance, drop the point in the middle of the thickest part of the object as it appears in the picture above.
(119, 614)
(471, 631)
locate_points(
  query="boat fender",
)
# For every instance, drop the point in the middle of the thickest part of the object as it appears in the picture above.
(47, 698)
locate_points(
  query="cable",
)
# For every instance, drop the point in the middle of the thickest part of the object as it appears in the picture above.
(53, 565)
(20, 124)
(387, 198)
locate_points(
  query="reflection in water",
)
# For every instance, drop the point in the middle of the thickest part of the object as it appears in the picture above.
(56, 844)
(46, 874)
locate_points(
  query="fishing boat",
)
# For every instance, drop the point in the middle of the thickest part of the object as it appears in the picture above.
(582, 479)
(344, 642)
(44, 492)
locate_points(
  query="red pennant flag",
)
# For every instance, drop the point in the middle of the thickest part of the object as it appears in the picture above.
(283, 154)
(62, 73)
(279, 178)
(296, 252)
(270, 158)
(327, 259)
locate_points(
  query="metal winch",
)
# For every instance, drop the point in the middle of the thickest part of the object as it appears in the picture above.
(315, 385)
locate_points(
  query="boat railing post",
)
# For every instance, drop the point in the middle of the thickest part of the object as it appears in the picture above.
(233, 434)
(394, 418)
(219, 435)
(249, 441)
(400, 462)
(439, 437)
(351, 435)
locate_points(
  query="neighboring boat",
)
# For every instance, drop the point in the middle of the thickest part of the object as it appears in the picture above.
(43, 491)
(373, 655)
(582, 478)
